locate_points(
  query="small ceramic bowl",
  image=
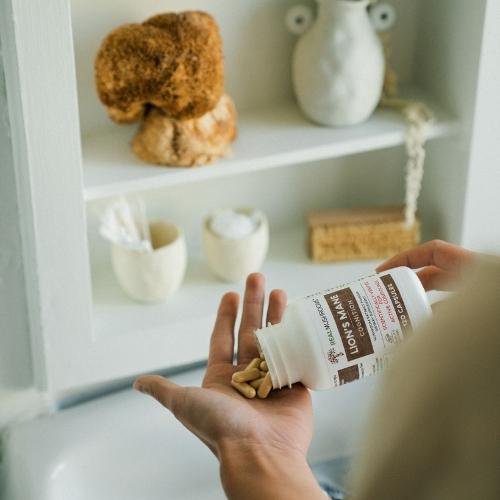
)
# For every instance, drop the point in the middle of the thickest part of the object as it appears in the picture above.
(152, 276)
(232, 259)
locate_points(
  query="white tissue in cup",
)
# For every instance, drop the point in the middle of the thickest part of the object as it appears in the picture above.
(235, 242)
(152, 276)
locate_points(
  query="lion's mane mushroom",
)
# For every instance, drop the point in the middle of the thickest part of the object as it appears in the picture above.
(171, 61)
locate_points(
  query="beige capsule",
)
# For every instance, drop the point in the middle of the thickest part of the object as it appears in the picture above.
(255, 363)
(256, 383)
(265, 387)
(246, 375)
(245, 389)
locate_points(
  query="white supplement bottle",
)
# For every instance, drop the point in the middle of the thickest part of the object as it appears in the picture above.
(346, 333)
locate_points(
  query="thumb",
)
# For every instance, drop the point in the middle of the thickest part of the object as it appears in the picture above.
(170, 395)
(185, 404)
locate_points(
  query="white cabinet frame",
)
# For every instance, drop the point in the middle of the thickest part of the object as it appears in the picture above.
(43, 112)
(39, 67)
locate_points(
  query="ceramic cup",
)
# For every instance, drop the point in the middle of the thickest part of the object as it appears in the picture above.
(152, 276)
(233, 259)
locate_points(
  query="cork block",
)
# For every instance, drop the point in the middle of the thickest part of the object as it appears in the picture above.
(357, 234)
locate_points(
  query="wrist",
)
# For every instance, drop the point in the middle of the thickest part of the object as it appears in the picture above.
(256, 470)
(235, 454)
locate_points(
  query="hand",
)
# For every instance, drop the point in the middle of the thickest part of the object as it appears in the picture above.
(442, 263)
(253, 439)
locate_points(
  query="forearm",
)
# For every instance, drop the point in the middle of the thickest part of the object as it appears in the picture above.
(250, 472)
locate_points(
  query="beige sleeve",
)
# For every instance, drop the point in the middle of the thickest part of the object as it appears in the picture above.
(435, 431)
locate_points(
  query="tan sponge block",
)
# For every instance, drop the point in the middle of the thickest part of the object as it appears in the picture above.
(358, 234)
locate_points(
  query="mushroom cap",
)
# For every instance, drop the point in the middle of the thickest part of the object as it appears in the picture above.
(172, 61)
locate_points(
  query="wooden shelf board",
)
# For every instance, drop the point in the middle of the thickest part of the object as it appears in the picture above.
(268, 138)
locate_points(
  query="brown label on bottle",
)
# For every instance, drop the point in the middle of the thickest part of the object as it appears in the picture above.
(397, 302)
(348, 374)
(350, 323)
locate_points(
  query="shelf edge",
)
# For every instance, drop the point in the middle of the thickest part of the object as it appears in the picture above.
(296, 157)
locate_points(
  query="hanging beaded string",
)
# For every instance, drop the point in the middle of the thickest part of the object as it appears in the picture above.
(418, 118)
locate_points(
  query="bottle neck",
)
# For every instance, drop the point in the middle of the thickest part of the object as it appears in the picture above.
(278, 351)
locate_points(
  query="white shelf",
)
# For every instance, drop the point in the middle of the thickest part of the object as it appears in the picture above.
(268, 138)
(178, 331)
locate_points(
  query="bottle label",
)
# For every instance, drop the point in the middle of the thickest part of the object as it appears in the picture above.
(358, 326)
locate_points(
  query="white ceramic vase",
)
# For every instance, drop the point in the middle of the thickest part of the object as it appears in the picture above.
(232, 260)
(152, 276)
(338, 65)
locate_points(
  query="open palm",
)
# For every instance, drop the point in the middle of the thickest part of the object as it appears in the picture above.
(216, 413)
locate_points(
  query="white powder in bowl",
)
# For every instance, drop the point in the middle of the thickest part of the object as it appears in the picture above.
(233, 225)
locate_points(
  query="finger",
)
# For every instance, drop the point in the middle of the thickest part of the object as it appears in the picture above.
(277, 306)
(222, 339)
(437, 253)
(170, 395)
(251, 319)
(433, 278)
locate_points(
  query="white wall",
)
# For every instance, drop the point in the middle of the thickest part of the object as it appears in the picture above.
(447, 48)
(16, 376)
(482, 207)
